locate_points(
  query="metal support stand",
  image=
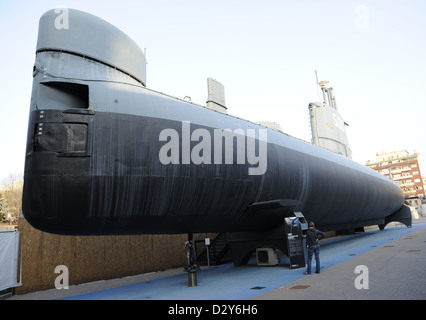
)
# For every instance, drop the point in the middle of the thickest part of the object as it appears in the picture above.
(192, 278)
(403, 215)
(243, 244)
(207, 242)
(192, 262)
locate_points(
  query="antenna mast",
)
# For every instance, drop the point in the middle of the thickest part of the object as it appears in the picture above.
(316, 76)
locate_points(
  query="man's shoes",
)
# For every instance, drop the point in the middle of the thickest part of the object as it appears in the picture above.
(306, 272)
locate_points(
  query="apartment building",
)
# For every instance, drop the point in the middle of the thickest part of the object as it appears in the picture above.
(404, 169)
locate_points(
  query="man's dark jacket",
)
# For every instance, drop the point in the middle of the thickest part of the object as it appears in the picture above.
(313, 236)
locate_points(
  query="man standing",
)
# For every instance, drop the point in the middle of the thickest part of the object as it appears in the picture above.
(313, 236)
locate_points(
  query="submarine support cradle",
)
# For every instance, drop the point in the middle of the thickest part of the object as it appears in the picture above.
(244, 244)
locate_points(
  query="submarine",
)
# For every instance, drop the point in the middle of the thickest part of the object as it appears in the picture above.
(106, 155)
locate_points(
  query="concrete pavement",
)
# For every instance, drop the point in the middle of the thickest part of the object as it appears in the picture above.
(395, 270)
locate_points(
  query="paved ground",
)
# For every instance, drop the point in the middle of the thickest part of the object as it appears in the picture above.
(393, 266)
(395, 270)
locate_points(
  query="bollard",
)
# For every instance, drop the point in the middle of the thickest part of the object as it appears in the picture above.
(192, 278)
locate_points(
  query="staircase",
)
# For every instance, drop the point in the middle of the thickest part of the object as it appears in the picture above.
(219, 252)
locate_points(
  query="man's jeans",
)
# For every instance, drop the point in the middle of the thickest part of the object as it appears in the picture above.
(311, 250)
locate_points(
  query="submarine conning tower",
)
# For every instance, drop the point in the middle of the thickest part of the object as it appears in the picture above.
(81, 34)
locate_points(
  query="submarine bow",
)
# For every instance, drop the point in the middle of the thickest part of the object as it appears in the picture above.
(106, 155)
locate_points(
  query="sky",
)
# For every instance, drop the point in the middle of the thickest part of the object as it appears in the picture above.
(265, 53)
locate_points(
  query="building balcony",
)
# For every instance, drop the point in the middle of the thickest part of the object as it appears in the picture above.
(400, 170)
(409, 184)
(402, 177)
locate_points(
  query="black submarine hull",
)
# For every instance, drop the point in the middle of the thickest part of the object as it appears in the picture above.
(121, 187)
(108, 157)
